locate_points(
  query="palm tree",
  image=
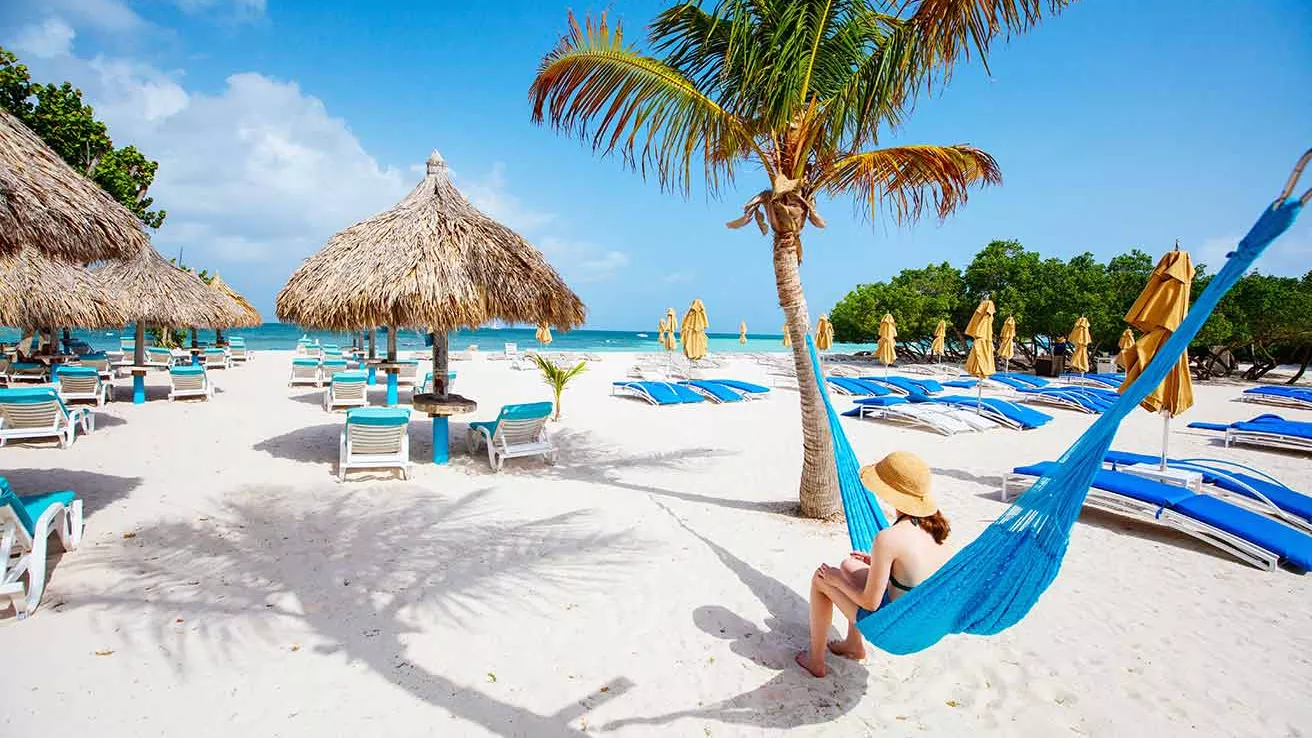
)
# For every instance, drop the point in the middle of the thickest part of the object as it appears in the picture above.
(802, 88)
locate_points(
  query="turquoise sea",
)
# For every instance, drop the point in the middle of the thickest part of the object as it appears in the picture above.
(284, 336)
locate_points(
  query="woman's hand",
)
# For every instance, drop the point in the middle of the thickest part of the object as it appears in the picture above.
(860, 556)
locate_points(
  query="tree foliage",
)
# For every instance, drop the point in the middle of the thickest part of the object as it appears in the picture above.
(1265, 319)
(57, 114)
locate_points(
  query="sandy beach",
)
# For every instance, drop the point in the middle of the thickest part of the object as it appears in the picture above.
(652, 583)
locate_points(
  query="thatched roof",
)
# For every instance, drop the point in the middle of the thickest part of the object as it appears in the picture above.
(432, 262)
(39, 292)
(155, 292)
(247, 316)
(47, 205)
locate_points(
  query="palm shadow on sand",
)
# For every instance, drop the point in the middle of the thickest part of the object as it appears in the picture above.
(792, 698)
(362, 573)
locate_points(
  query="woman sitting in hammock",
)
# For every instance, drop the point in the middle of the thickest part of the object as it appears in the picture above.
(904, 554)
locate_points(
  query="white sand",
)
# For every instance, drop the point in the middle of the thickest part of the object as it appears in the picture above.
(651, 584)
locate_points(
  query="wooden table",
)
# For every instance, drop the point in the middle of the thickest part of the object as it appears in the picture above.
(440, 408)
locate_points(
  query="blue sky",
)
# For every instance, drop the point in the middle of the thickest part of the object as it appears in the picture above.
(1120, 123)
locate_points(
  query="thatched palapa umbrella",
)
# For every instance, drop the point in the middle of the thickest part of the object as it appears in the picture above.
(48, 206)
(39, 292)
(155, 292)
(432, 262)
(247, 316)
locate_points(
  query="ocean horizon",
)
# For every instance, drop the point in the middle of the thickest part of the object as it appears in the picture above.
(283, 336)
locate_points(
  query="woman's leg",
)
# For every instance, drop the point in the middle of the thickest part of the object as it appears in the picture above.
(854, 646)
(822, 614)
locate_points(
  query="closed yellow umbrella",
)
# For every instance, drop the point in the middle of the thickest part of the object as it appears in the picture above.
(661, 327)
(1081, 339)
(886, 350)
(1007, 340)
(940, 338)
(693, 331)
(788, 340)
(1157, 313)
(742, 332)
(1124, 344)
(543, 334)
(980, 361)
(824, 333)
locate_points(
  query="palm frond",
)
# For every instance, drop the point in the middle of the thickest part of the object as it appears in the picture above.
(909, 180)
(594, 86)
(949, 29)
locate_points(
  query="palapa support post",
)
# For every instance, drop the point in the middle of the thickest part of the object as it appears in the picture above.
(441, 424)
(139, 359)
(392, 393)
(373, 354)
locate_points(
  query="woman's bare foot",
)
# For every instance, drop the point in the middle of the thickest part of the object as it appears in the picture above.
(815, 667)
(847, 650)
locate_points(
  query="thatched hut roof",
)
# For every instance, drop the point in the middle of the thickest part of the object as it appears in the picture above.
(47, 205)
(432, 262)
(155, 292)
(247, 316)
(39, 292)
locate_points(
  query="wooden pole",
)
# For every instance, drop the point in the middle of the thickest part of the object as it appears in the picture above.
(440, 363)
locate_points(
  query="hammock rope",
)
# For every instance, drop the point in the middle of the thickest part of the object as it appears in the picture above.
(993, 582)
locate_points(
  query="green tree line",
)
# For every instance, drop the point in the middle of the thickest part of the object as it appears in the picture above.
(57, 114)
(1265, 319)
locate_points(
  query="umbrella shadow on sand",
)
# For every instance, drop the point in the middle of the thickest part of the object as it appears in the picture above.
(363, 573)
(790, 699)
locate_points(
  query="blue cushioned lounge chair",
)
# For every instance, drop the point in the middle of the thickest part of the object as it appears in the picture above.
(657, 393)
(1247, 535)
(1003, 412)
(1297, 397)
(1268, 430)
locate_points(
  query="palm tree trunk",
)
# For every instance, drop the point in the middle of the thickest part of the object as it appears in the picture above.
(818, 490)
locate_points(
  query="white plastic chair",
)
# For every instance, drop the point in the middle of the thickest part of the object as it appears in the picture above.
(304, 371)
(83, 383)
(346, 389)
(189, 381)
(375, 438)
(519, 430)
(25, 527)
(37, 412)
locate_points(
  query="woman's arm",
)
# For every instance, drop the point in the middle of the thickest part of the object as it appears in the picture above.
(881, 566)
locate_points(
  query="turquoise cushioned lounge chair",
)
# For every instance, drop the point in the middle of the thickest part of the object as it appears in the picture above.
(519, 430)
(375, 438)
(25, 527)
(37, 412)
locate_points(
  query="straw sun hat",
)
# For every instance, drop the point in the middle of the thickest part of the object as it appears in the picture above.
(903, 480)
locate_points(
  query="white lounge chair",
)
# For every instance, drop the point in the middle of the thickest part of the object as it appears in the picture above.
(937, 418)
(216, 358)
(101, 363)
(346, 389)
(83, 383)
(25, 527)
(26, 372)
(304, 371)
(519, 430)
(190, 381)
(426, 386)
(407, 374)
(37, 412)
(329, 367)
(237, 350)
(159, 358)
(375, 438)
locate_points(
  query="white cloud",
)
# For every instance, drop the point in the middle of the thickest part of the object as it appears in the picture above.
(242, 9)
(258, 171)
(491, 195)
(113, 16)
(49, 38)
(580, 261)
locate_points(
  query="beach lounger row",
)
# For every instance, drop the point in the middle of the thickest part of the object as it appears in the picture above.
(315, 372)
(940, 418)
(1271, 431)
(690, 391)
(1003, 412)
(1241, 485)
(1297, 397)
(26, 524)
(1082, 399)
(1094, 379)
(1243, 533)
(379, 437)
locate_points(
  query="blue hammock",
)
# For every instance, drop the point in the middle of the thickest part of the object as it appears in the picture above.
(993, 582)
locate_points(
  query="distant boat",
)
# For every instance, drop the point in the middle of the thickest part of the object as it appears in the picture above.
(643, 335)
